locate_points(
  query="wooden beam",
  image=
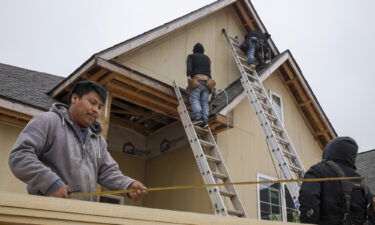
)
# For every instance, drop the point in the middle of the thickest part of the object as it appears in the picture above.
(152, 91)
(12, 120)
(98, 74)
(141, 100)
(126, 73)
(15, 114)
(304, 103)
(125, 112)
(131, 125)
(129, 108)
(105, 79)
(105, 115)
(245, 15)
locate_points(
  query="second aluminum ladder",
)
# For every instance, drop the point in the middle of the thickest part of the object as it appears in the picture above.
(279, 143)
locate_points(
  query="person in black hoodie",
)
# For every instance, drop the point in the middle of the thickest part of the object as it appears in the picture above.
(198, 73)
(324, 202)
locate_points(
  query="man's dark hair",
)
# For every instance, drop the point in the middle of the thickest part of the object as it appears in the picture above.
(198, 48)
(85, 87)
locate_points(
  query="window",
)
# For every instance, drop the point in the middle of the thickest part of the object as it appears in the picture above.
(277, 104)
(273, 203)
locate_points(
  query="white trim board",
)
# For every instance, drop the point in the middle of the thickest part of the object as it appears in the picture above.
(19, 107)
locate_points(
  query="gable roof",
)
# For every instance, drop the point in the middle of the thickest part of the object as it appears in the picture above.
(242, 6)
(27, 86)
(366, 167)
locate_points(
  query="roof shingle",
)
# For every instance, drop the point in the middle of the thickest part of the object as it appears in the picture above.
(27, 86)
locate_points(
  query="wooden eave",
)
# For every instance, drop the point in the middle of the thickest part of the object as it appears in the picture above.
(306, 102)
(16, 113)
(139, 102)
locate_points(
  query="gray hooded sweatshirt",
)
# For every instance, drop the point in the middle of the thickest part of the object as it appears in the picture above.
(50, 149)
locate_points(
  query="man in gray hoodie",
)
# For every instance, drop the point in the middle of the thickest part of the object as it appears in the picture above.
(62, 151)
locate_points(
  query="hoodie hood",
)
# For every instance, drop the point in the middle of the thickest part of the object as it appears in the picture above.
(198, 48)
(342, 149)
(62, 110)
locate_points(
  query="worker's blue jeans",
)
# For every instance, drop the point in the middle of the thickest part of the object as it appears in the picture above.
(198, 98)
(253, 46)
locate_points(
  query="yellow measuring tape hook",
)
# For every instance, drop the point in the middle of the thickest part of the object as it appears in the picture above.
(211, 185)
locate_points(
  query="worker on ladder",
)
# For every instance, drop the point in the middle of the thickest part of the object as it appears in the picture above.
(200, 84)
(255, 46)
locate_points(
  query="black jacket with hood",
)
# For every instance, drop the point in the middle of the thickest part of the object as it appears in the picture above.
(322, 202)
(198, 62)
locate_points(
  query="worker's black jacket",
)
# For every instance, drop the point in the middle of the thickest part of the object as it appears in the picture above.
(198, 62)
(322, 202)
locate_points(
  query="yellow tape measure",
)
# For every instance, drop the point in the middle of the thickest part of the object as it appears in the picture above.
(211, 185)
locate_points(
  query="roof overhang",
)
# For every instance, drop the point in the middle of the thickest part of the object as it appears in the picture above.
(16, 113)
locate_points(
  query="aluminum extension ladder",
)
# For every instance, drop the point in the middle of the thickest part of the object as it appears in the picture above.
(279, 143)
(224, 199)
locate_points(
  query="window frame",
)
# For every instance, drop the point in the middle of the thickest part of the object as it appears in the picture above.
(281, 104)
(282, 193)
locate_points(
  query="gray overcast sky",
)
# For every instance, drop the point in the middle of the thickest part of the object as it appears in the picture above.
(332, 41)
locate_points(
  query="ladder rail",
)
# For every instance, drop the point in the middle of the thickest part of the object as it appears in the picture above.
(236, 201)
(272, 136)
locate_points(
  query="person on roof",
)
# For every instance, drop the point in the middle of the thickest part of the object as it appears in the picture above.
(61, 151)
(327, 202)
(200, 84)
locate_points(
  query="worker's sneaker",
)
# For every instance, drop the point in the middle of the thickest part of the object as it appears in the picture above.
(198, 123)
(252, 66)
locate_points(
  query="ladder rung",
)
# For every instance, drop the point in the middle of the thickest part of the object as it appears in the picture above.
(233, 40)
(242, 58)
(271, 117)
(251, 76)
(260, 96)
(295, 169)
(265, 106)
(227, 193)
(289, 154)
(219, 175)
(282, 141)
(246, 67)
(276, 128)
(256, 87)
(206, 143)
(213, 159)
(235, 212)
(201, 130)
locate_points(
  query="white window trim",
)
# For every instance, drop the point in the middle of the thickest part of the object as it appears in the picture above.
(281, 103)
(282, 189)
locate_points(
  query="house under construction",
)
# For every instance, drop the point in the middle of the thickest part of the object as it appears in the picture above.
(264, 125)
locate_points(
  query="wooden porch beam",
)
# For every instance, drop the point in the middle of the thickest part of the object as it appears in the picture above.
(141, 100)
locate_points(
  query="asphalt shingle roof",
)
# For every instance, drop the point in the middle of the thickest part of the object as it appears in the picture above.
(366, 167)
(27, 86)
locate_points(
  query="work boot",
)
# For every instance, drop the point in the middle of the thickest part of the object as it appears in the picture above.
(252, 66)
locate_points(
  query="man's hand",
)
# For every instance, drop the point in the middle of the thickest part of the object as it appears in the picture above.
(141, 190)
(62, 192)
